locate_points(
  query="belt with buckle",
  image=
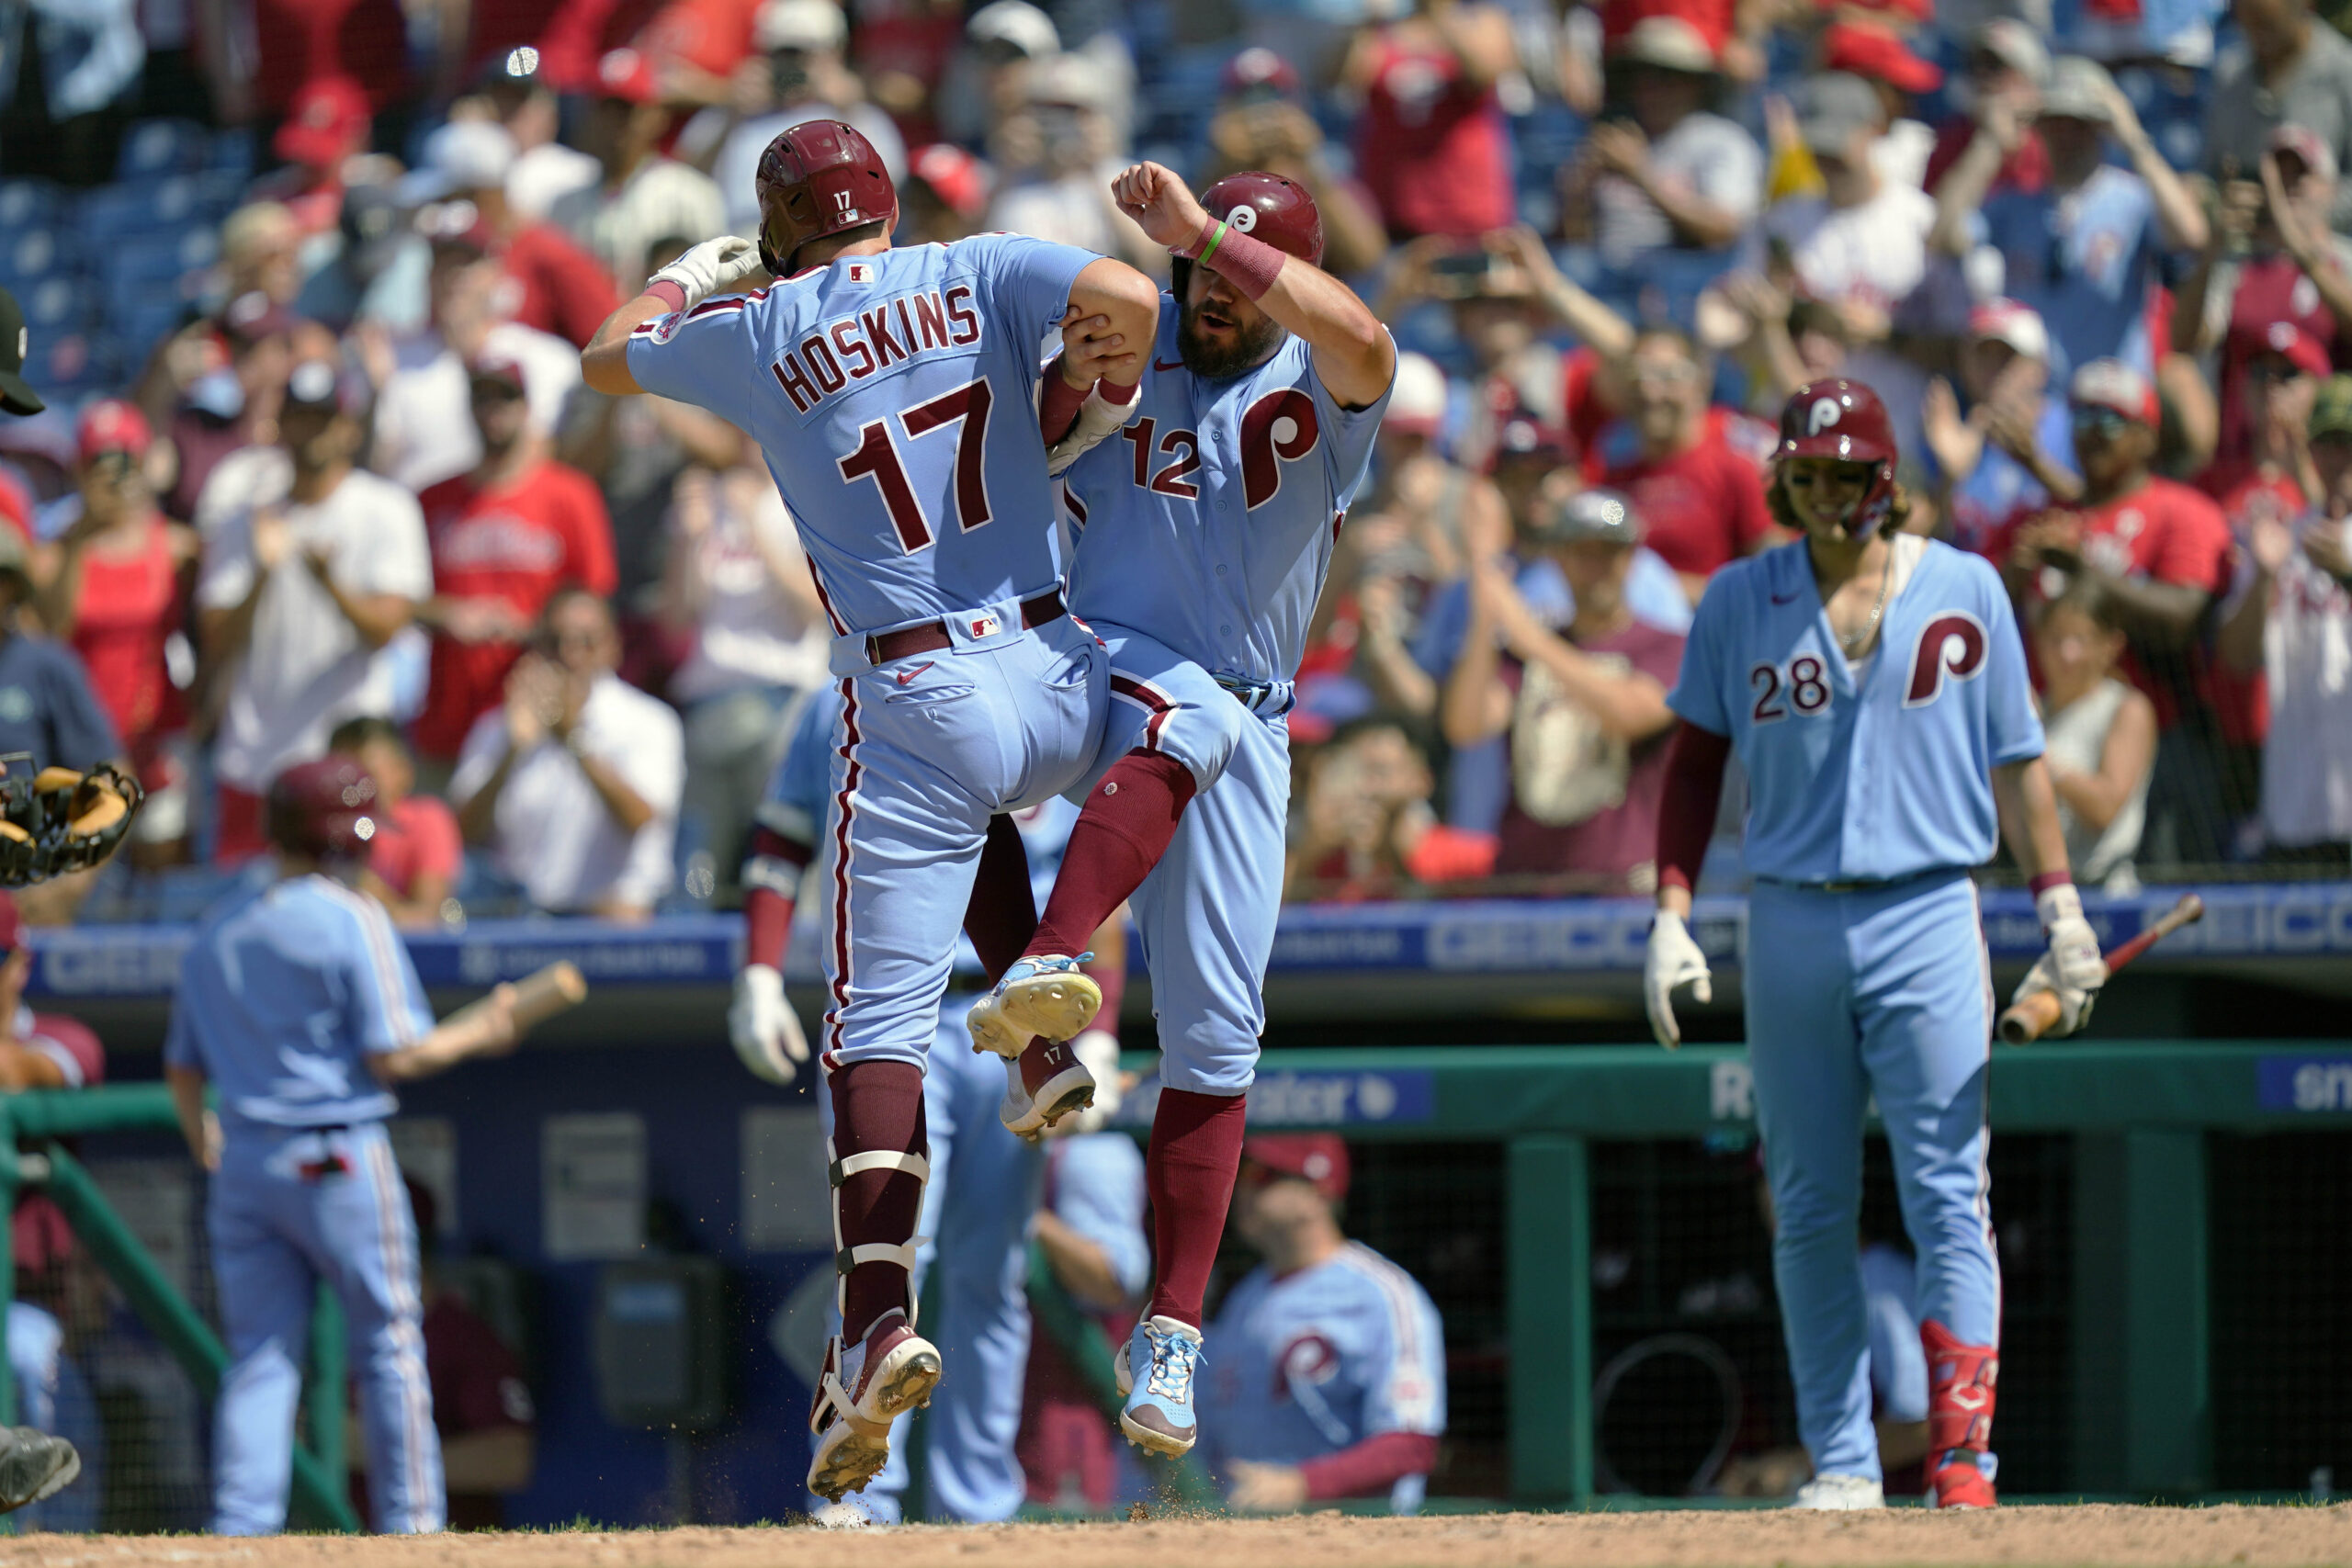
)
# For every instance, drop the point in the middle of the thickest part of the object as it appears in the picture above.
(884, 647)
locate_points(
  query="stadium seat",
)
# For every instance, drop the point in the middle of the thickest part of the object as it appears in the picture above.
(23, 203)
(156, 147)
(30, 254)
(232, 152)
(146, 319)
(112, 212)
(219, 192)
(139, 264)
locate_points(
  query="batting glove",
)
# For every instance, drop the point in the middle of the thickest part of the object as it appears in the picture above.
(2071, 970)
(765, 1030)
(714, 266)
(1674, 961)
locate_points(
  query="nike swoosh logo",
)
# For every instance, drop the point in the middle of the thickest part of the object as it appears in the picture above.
(1784, 598)
(905, 677)
(1168, 365)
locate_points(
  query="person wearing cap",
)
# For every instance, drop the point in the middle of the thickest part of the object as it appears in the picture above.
(2271, 259)
(515, 91)
(644, 194)
(988, 80)
(219, 382)
(1688, 468)
(1261, 122)
(110, 589)
(551, 284)
(504, 537)
(2013, 451)
(1999, 93)
(945, 196)
(1432, 147)
(798, 74)
(299, 1007)
(1672, 175)
(1326, 1365)
(1057, 156)
(423, 430)
(309, 573)
(1873, 49)
(2294, 69)
(329, 122)
(2290, 620)
(1859, 245)
(2082, 250)
(1583, 707)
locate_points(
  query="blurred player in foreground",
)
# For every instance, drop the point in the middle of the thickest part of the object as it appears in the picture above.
(299, 1003)
(895, 393)
(1876, 689)
(1327, 1361)
(1209, 529)
(984, 1181)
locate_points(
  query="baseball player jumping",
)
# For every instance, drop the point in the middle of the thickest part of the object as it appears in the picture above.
(1874, 685)
(895, 394)
(1207, 530)
(299, 1003)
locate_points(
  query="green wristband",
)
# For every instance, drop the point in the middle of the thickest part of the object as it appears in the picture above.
(1215, 240)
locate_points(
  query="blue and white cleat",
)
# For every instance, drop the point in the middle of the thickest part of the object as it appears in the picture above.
(1046, 996)
(1158, 1415)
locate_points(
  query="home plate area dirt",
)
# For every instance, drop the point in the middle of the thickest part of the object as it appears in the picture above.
(2092, 1536)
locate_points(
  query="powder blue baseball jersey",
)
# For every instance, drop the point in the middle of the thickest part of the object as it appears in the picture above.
(286, 992)
(895, 397)
(1209, 520)
(1867, 781)
(1313, 1362)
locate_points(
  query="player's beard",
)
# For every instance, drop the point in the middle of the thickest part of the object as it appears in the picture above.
(1250, 346)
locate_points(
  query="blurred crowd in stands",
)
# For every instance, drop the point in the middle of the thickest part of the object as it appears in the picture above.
(303, 282)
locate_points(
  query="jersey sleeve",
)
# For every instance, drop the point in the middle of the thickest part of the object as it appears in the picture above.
(793, 807)
(1028, 283)
(387, 1007)
(1348, 433)
(705, 356)
(2015, 728)
(1408, 1393)
(1099, 1193)
(1698, 693)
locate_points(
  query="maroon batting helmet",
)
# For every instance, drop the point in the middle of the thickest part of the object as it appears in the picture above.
(1844, 420)
(324, 809)
(1275, 209)
(819, 177)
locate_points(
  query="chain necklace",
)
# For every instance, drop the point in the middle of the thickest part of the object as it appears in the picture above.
(1861, 640)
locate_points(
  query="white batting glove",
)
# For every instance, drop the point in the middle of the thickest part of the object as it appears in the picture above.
(1674, 959)
(714, 266)
(2071, 970)
(765, 1030)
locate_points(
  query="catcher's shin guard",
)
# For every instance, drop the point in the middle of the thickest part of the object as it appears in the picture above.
(1960, 1380)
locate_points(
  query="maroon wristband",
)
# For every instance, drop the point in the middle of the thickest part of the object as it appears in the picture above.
(669, 293)
(2049, 879)
(1115, 395)
(1057, 406)
(1249, 263)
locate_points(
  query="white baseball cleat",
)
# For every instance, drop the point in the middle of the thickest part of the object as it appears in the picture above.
(861, 1391)
(1839, 1494)
(1048, 1083)
(1046, 996)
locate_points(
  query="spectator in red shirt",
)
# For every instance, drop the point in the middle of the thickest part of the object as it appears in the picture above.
(2161, 551)
(504, 539)
(417, 854)
(1690, 475)
(549, 283)
(1584, 709)
(302, 41)
(328, 122)
(110, 588)
(1431, 146)
(1367, 829)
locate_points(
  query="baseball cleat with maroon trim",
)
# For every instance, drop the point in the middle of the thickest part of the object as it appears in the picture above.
(1046, 995)
(860, 1392)
(1053, 1083)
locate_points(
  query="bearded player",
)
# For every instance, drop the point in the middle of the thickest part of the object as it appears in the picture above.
(895, 395)
(1876, 688)
(1208, 524)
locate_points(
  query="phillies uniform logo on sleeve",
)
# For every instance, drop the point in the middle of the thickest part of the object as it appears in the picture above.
(1952, 643)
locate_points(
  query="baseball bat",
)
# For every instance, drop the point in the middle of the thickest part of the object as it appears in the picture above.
(538, 995)
(2027, 1020)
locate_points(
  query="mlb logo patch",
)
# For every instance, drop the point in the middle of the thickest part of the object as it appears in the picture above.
(667, 327)
(986, 625)
(861, 272)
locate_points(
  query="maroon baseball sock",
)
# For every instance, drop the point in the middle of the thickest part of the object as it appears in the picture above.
(1128, 820)
(1003, 914)
(876, 1105)
(1195, 1153)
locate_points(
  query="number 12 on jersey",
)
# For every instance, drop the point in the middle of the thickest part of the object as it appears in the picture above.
(876, 458)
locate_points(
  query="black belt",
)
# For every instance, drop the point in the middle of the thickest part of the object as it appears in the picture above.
(884, 647)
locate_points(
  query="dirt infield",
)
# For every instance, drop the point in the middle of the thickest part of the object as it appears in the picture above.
(2093, 1536)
